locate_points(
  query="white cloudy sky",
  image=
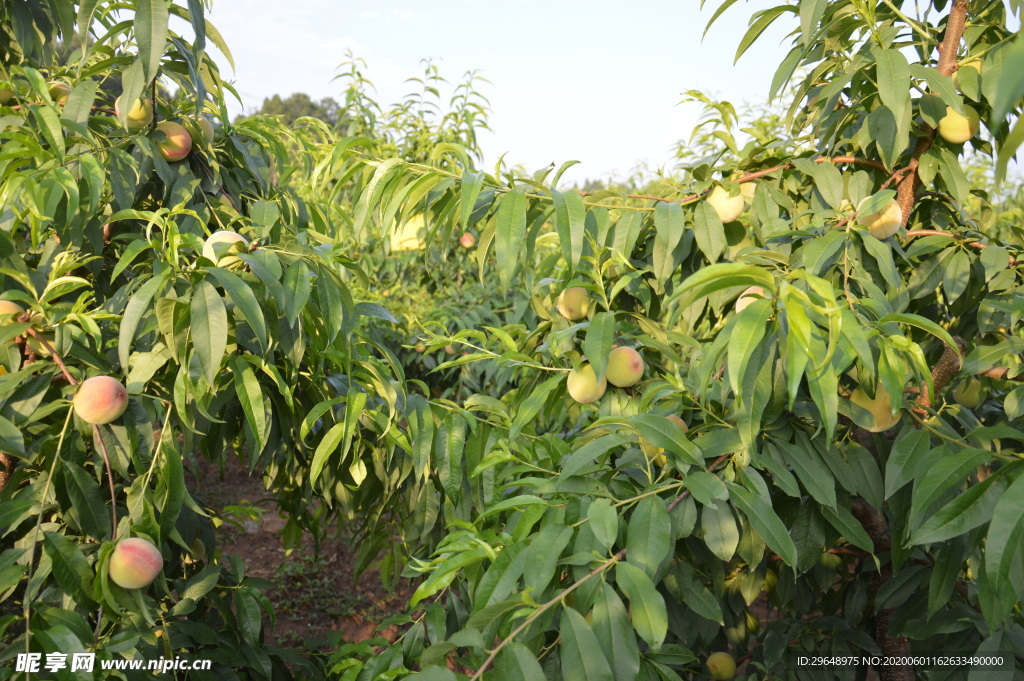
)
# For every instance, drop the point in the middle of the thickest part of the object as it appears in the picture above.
(596, 81)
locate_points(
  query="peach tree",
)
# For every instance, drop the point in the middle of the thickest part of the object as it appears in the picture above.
(820, 450)
(165, 298)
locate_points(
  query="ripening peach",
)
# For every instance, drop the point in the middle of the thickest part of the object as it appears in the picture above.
(728, 207)
(583, 385)
(100, 400)
(176, 143)
(974, 64)
(135, 563)
(574, 303)
(138, 116)
(625, 367)
(467, 240)
(885, 222)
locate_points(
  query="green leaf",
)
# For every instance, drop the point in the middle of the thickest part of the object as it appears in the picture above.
(589, 453)
(967, 511)
(298, 287)
(515, 662)
(950, 470)
(764, 520)
(615, 632)
(604, 522)
(848, 526)
(531, 406)
(708, 231)
(570, 218)
(542, 556)
(665, 434)
(1005, 534)
(510, 233)
(151, 18)
(707, 280)
(649, 534)
(421, 432)
(250, 396)
(579, 645)
(451, 442)
(747, 331)
(245, 302)
(209, 328)
(721, 533)
(598, 342)
(894, 81)
(327, 446)
(87, 500)
(646, 605)
(138, 306)
(70, 568)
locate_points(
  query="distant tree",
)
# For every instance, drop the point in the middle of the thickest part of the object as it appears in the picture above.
(300, 104)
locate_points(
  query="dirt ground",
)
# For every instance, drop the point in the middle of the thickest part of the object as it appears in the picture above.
(313, 595)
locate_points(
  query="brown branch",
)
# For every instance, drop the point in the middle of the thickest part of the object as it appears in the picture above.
(910, 181)
(1001, 374)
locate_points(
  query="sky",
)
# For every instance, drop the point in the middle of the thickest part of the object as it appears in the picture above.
(594, 81)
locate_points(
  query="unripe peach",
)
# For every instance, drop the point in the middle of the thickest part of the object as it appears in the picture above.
(9, 308)
(100, 400)
(139, 115)
(957, 129)
(625, 367)
(885, 222)
(722, 666)
(196, 552)
(37, 346)
(6, 93)
(59, 92)
(970, 393)
(583, 385)
(728, 207)
(749, 296)
(969, 64)
(449, 349)
(574, 303)
(220, 245)
(135, 563)
(882, 417)
(657, 454)
(467, 240)
(747, 190)
(176, 143)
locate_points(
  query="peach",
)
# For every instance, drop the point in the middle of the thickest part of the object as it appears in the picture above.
(722, 666)
(583, 385)
(135, 563)
(657, 454)
(220, 245)
(9, 308)
(574, 303)
(6, 93)
(467, 240)
(957, 129)
(885, 222)
(882, 417)
(969, 64)
(749, 296)
(625, 367)
(59, 92)
(176, 143)
(100, 400)
(196, 552)
(728, 207)
(139, 115)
